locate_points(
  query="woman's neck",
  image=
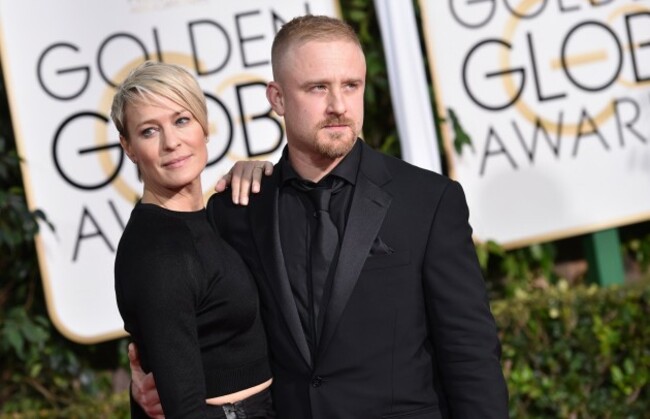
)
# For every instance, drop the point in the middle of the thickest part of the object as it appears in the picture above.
(185, 200)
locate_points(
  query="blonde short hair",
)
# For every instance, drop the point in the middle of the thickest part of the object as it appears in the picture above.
(153, 79)
(309, 28)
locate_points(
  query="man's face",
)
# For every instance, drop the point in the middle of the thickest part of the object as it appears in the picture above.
(319, 92)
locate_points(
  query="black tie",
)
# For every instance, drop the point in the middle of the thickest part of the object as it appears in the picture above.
(323, 245)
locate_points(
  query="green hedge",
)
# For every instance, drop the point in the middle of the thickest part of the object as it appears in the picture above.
(115, 406)
(567, 353)
(578, 353)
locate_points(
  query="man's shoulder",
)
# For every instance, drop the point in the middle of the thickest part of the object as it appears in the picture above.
(222, 210)
(402, 170)
(223, 200)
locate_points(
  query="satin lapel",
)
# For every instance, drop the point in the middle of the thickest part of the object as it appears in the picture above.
(265, 226)
(369, 206)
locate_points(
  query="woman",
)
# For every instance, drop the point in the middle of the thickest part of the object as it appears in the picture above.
(186, 297)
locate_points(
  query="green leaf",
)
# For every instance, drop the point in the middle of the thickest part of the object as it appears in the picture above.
(461, 138)
(15, 340)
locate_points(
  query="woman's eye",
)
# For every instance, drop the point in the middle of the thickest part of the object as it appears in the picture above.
(182, 120)
(148, 132)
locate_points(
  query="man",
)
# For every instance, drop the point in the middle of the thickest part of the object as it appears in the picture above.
(400, 324)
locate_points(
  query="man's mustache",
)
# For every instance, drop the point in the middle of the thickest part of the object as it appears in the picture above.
(336, 121)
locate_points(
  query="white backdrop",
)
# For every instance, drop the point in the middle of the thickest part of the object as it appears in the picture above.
(555, 96)
(409, 91)
(61, 60)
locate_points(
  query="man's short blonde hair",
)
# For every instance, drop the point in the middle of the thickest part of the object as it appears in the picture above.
(309, 28)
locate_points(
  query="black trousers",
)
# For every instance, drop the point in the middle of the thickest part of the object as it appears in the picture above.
(257, 406)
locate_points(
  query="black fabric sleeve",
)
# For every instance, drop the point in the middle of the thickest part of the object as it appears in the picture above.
(157, 289)
(463, 328)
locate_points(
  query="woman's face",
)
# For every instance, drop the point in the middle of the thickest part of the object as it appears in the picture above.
(167, 143)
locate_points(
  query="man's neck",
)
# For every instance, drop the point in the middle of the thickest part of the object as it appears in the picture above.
(311, 167)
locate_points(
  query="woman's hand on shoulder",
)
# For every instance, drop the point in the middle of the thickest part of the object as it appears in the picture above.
(244, 178)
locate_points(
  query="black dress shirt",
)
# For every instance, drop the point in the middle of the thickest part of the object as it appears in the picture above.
(297, 226)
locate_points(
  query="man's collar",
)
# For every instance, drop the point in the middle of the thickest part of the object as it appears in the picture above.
(347, 168)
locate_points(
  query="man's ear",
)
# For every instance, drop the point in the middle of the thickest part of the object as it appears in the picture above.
(275, 97)
(126, 146)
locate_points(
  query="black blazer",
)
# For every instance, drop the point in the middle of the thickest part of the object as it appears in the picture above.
(408, 331)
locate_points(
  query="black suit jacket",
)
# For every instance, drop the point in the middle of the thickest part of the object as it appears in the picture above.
(408, 331)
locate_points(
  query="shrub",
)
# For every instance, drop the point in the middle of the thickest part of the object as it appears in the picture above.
(578, 353)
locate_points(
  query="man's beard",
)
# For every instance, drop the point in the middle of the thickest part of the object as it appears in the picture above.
(338, 144)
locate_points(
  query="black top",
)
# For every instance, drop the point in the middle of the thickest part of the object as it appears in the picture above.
(191, 306)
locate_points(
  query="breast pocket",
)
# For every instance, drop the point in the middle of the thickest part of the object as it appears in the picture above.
(427, 413)
(387, 261)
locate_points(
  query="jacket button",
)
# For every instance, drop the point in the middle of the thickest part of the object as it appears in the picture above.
(316, 381)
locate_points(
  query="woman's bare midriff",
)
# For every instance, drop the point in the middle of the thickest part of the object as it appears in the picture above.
(239, 395)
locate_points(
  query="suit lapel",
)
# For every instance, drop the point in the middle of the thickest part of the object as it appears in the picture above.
(265, 225)
(367, 211)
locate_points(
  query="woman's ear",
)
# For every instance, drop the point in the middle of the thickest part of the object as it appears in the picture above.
(275, 97)
(126, 146)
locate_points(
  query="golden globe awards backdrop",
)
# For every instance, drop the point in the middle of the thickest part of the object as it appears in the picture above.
(61, 61)
(554, 99)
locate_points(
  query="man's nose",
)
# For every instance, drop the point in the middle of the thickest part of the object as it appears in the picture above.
(336, 103)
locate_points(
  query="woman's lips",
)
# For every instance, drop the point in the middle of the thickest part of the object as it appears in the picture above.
(177, 162)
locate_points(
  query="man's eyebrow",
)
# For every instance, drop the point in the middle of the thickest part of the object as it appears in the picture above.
(328, 82)
(314, 81)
